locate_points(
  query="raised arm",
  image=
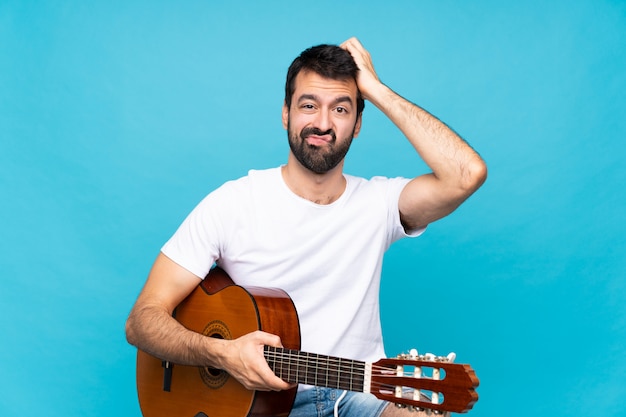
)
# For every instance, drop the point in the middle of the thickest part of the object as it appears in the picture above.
(151, 328)
(457, 170)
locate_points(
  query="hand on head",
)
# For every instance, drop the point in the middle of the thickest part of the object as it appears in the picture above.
(367, 78)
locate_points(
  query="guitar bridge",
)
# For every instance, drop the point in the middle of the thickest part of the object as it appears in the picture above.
(167, 375)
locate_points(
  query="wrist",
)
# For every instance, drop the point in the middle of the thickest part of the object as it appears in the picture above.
(214, 352)
(379, 95)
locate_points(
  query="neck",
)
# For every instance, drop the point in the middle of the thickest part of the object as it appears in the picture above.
(319, 188)
(319, 370)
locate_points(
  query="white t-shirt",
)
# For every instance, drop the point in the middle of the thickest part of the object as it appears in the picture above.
(328, 258)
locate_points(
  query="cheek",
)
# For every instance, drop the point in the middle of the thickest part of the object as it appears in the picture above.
(297, 122)
(347, 128)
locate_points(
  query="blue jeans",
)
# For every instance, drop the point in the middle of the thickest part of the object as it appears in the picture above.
(320, 402)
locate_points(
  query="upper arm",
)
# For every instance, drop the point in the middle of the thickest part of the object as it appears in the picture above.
(168, 284)
(426, 199)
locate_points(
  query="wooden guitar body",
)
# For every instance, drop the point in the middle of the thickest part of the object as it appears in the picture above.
(218, 308)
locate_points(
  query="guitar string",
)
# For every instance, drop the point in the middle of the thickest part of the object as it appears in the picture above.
(344, 369)
(346, 366)
(336, 369)
(336, 365)
(347, 370)
(304, 358)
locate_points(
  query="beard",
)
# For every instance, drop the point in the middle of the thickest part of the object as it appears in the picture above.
(318, 159)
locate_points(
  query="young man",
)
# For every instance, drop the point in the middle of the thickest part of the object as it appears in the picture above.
(310, 229)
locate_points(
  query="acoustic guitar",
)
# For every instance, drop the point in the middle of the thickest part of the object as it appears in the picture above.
(219, 308)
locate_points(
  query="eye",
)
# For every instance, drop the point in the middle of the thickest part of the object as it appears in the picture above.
(341, 110)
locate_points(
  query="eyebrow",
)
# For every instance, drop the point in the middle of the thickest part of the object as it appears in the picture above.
(340, 99)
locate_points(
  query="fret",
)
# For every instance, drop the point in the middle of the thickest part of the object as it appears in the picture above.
(351, 371)
(306, 373)
(293, 369)
(315, 369)
(271, 361)
(315, 366)
(341, 375)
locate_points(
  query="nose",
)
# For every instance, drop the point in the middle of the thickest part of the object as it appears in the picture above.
(323, 120)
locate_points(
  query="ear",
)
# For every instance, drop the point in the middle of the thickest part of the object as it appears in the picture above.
(357, 125)
(285, 116)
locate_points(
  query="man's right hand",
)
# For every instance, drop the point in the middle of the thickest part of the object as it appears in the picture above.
(243, 359)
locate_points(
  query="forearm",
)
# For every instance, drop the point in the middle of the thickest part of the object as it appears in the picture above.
(457, 171)
(450, 158)
(153, 330)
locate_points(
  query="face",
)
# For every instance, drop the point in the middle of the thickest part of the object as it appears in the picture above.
(322, 121)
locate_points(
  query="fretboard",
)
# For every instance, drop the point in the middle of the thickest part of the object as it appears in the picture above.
(320, 370)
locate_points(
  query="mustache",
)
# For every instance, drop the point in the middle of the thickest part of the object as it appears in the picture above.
(308, 131)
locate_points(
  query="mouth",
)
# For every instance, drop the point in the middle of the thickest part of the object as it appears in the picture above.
(316, 137)
(317, 140)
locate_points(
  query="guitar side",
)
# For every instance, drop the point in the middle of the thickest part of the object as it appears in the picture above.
(218, 308)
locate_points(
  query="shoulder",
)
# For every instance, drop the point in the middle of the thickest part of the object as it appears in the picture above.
(254, 179)
(378, 184)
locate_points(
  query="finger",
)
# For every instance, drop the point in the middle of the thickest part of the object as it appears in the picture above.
(269, 339)
(280, 385)
(346, 42)
(272, 382)
(353, 45)
(268, 379)
(351, 41)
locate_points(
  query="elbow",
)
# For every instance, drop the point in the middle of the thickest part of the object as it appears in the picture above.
(131, 335)
(480, 173)
(474, 176)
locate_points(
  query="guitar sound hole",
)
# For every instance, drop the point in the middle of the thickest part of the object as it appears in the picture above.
(214, 371)
(212, 377)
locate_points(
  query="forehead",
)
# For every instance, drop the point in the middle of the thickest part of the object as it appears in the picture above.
(311, 83)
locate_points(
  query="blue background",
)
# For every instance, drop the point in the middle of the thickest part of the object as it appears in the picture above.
(117, 117)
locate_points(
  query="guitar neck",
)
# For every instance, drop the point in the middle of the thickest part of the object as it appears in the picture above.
(320, 370)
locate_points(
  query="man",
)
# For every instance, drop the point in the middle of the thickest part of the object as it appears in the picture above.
(310, 229)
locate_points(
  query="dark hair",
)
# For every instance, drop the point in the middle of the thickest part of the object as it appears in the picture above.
(329, 61)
